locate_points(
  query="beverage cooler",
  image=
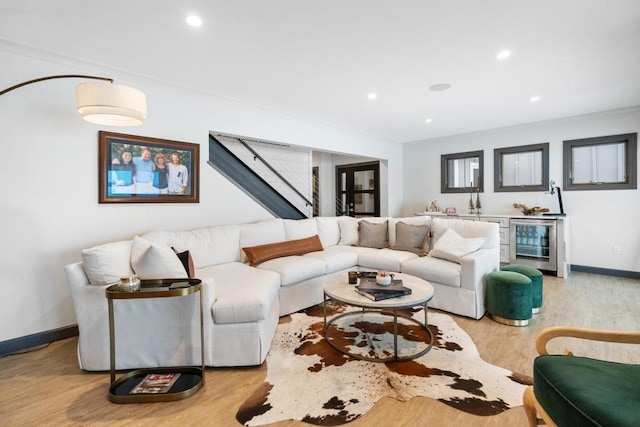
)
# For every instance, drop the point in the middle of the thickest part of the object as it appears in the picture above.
(533, 243)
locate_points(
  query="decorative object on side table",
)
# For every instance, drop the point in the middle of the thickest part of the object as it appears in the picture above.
(130, 283)
(478, 205)
(433, 206)
(536, 210)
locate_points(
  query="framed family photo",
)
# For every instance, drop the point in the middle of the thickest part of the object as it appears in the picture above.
(138, 169)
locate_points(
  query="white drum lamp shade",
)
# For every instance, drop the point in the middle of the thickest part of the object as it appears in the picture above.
(111, 104)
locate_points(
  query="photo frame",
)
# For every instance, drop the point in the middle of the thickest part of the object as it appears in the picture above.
(139, 169)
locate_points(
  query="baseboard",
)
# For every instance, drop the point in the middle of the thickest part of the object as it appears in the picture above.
(606, 271)
(34, 340)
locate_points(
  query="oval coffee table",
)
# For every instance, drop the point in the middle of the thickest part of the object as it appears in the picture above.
(337, 288)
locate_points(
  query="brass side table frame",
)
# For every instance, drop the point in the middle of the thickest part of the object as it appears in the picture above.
(192, 377)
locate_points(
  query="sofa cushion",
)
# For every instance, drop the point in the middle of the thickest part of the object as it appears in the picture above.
(261, 233)
(262, 253)
(434, 270)
(328, 230)
(384, 259)
(413, 220)
(411, 238)
(242, 293)
(208, 246)
(373, 235)
(451, 246)
(354, 249)
(294, 269)
(335, 259)
(154, 261)
(466, 228)
(348, 231)
(106, 264)
(295, 229)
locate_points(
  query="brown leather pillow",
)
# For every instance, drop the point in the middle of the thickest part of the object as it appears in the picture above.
(262, 253)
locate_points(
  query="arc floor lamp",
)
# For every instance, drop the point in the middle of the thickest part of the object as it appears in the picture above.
(103, 103)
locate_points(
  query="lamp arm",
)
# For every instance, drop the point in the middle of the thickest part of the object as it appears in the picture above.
(64, 76)
(560, 200)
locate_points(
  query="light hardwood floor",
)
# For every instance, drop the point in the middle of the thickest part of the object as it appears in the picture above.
(46, 387)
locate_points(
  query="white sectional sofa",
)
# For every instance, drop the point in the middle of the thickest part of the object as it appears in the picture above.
(250, 279)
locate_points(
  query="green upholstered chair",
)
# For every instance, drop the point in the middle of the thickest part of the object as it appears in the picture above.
(536, 283)
(578, 391)
(508, 298)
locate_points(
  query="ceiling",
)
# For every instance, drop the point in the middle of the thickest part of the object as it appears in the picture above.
(320, 60)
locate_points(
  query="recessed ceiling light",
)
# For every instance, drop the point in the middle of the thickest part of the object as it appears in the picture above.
(503, 54)
(429, 120)
(534, 99)
(194, 21)
(439, 87)
(372, 95)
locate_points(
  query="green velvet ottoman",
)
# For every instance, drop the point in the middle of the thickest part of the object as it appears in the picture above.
(536, 282)
(578, 391)
(508, 298)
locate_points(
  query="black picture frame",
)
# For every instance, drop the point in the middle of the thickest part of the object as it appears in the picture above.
(138, 177)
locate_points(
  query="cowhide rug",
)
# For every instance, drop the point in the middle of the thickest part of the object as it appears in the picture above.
(310, 381)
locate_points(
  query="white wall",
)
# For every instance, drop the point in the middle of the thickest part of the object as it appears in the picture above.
(49, 177)
(598, 219)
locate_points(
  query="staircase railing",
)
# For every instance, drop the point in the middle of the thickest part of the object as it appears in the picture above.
(263, 183)
(257, 156)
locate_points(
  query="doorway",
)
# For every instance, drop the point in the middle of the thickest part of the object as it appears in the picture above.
(358, 189)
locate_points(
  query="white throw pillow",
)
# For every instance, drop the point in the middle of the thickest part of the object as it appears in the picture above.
(328, 230)
(106, 264)
(452, 246)
(151, 261)
(295, 229)
(348, 231)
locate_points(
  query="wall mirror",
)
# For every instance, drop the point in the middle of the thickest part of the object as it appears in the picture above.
(522, 168)
(461, 171)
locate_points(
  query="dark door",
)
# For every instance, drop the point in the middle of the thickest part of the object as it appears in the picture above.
(358, 189)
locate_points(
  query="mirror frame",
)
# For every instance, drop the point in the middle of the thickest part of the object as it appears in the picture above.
(497, 168)
(444, 171)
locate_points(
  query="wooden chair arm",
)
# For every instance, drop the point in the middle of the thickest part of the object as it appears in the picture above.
(589, 334)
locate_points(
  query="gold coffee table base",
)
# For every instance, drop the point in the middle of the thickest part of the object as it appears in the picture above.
(395, 315)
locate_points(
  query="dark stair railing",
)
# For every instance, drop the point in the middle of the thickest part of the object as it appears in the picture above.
(235, 170)
(257, 156)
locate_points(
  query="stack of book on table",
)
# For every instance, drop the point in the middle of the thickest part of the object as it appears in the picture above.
(370, 289)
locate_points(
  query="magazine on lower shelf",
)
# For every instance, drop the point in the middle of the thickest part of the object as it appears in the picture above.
(155, 383)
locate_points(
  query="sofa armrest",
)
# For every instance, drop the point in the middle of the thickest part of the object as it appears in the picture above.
(208, 290)
(476, 265)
